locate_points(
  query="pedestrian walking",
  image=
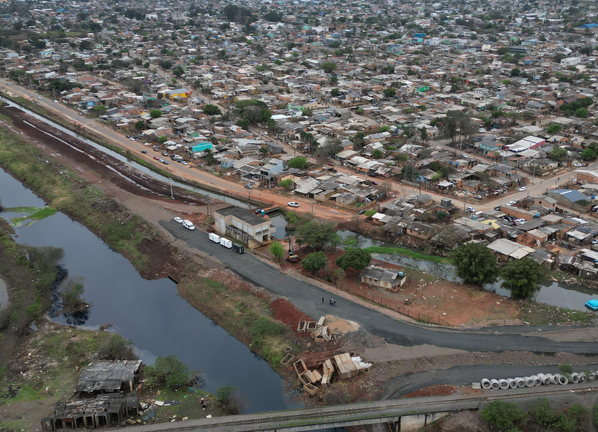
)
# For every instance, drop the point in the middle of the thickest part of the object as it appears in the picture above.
(334, 304)
(330, 302)
(322, 300)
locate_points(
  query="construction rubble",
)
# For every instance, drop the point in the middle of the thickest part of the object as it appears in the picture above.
(345, 365)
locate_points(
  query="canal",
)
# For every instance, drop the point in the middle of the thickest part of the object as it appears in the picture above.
(149, 313)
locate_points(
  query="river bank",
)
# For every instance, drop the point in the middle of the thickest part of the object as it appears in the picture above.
(246, 314)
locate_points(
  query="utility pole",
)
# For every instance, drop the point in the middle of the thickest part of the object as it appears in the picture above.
(171, 194)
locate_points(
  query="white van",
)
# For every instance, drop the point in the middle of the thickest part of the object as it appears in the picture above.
(214, 237)
(188, 224)
(226, 243)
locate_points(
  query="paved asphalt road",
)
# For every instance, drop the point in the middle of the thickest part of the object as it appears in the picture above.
(464, 375)
(308, 298)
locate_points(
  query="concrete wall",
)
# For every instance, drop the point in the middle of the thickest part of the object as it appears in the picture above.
(417, 421)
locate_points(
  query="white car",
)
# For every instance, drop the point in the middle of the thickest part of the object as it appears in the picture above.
(522, 189)
(185, 163)
(577, 165)
(470, 209)
(293, 204)
(512, 203)
(178, 220)
(188, 224)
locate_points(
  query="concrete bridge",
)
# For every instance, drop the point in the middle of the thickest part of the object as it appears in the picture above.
(403, 414)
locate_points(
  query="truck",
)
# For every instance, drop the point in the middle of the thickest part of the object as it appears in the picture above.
(226, 243)
(214, 237)
(238, 248)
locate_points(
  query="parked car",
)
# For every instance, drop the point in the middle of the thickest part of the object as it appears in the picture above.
(188, 224)
(156, 148)
(178, 220)
(470, 209)
(522, 189)
(293, 204)
(375, 183)
(511, 203)
(185, 163)
(577, 165)
(165, 162)
(248, 186)
(144, 151)
(478, 197)
(362, 211)
(157, 158)
(165, 153)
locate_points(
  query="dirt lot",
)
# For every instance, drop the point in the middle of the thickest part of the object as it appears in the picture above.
(428, 295)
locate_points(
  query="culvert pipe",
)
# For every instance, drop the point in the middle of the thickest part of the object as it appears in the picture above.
(582, 377)
(529, 381)
(541, 377)
(495, 385)
(563, 380)
(486, 384)
(547, 379)
(592, 376)
(574, 378)
(512, 383)
(503, 383)
(535, 381)
(520, 382)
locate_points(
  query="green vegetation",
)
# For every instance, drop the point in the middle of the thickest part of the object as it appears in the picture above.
(298, 162)
(286, 184)
(228, 399)
(65, 192)
(168, 371)
(543, 314)
(38, 214)
(509, 417)
(521, 277)
(503, 415)
(558, 154)
(356, 258)
(350, 241)
(475, 263)
(277, 250)
(314, 262)
(318, 235)
(408, 253)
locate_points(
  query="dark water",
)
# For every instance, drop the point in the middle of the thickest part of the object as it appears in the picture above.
(149, 313)
(552, 293)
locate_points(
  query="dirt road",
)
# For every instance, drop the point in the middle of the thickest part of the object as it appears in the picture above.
(191, 174)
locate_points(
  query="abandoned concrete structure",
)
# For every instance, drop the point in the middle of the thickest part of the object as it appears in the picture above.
(105, 410)
(102, 398)
(109, 376)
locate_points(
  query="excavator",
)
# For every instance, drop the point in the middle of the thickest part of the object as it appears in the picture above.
(292, 256)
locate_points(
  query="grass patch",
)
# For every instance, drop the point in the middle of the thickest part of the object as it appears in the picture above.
(80, 200)
(408, 253)
(27, 210)
(43, 213)
(543, 314)
(240, 313)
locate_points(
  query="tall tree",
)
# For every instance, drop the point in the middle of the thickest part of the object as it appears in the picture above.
(314, 262)
(475, 263)
(356, 258)
(318, 235)
(521, 277)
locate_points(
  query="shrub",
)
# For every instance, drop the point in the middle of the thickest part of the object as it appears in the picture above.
(566, 369)
(116, 347)
(229, 399)
(169, 371)
(544, 415)
(502, 414)
(298, 163)
(277, 250)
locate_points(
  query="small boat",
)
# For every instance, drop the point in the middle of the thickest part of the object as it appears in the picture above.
(592, 304)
